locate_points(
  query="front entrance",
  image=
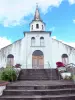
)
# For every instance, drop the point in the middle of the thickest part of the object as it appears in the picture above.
(37, 60)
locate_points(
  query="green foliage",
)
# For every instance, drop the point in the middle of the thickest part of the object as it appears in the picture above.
(1, 69)
(9, 66)
(8, 74)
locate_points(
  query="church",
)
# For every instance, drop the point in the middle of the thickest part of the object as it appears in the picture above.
(37, 49)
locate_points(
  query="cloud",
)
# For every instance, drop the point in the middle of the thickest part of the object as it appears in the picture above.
(12, 12)
(54, 37)
(74, 21)
(4, 42)
(71, 1)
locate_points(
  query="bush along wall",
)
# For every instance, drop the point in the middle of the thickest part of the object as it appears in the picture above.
(8, 74)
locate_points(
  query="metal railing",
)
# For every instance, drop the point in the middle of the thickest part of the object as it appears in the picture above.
(70, 65)
(71, 68)
(51, 73)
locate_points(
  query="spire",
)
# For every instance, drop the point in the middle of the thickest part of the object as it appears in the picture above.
(37, 23)
(37, 14)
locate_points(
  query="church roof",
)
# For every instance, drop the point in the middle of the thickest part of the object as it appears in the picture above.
(42, 32)
(64, 43)
(37, 15)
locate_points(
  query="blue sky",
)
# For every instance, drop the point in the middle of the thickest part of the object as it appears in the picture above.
(15, 16)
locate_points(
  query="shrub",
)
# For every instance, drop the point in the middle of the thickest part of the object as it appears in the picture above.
(9, 66)
(8, 74)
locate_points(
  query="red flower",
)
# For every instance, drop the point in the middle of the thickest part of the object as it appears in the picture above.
(59, 64)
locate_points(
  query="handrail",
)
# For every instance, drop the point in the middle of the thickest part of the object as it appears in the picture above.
(49, 64)
(51, 69)
(70, 64)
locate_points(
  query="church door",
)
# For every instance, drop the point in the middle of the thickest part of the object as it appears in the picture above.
(37, 60)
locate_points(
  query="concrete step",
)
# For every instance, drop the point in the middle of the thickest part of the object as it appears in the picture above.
(39, 87)
(38, 74)
(39, 92)
(35, 97)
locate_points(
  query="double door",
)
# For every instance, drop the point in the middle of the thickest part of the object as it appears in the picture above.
(37, 62)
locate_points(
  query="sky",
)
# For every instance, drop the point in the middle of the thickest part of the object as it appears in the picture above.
(15, 16)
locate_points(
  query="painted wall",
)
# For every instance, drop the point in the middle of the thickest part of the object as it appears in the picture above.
(16, 49)
(34, 26)
(45, 49)
(22, 50)
(59, 48)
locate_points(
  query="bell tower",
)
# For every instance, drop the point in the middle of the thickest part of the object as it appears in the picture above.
(37, 23)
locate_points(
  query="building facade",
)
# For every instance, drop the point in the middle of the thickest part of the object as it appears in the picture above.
(37, 49)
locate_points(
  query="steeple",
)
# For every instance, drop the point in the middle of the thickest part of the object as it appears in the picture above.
(37, 24)
(37, 14)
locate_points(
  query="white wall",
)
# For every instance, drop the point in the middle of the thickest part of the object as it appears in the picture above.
(45, 49)
(52, 50)
(16, 49)
(22, 50)
(59, 48)
(34, 26)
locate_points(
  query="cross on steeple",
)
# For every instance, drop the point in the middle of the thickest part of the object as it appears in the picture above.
(37, 14)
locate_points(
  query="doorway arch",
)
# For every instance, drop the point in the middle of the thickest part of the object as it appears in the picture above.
(37, 59)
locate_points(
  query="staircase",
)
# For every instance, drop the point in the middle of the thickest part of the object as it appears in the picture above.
(39, 90)
(39, 74)
(37, 84)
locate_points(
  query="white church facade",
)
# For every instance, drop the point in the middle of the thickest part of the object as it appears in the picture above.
(37, 49)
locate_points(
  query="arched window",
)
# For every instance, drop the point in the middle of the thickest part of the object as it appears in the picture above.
(65, 59)
(37, 26)
(42, 27)
(32, 27)
(33, 41)
(10, 60)
(41, 41)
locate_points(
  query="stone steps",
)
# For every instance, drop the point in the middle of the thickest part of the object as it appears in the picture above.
(35, 88)
(38, 74)
(39, 92)
(45, 97)
(41, 87)
(43, 90)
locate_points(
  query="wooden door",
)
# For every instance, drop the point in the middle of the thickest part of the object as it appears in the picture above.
(37, 62)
